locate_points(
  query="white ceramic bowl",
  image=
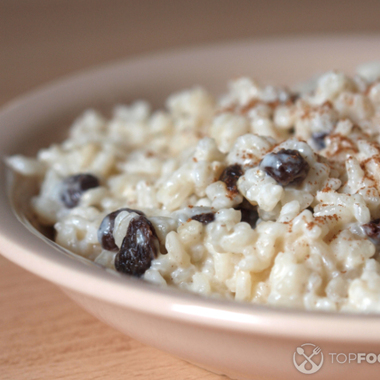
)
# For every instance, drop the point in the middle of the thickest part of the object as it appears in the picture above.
(236, 339)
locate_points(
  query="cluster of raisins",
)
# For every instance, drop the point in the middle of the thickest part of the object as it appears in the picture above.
(141, 245)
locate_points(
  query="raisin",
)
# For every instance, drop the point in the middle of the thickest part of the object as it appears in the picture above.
(372, 230)
(249, 213)
(287, 166)
(230, 176)
(74, 186)
(319, 139)
(105, 231)
(139, 247)
(204, 218)
(294, 97)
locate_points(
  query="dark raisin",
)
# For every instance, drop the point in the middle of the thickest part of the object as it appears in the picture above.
(139, 247)
(319, 139)
(230, 176)
(204, 218)
(105, 231)
(294, 97)
(74, 186)
(249, 213)
(287, 166)
(372, 230)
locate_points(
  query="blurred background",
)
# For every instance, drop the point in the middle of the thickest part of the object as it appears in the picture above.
(41, 40)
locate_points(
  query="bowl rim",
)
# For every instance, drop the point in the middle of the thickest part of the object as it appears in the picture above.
(168, 302)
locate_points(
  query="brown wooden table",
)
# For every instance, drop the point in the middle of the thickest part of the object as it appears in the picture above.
(43, 334)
